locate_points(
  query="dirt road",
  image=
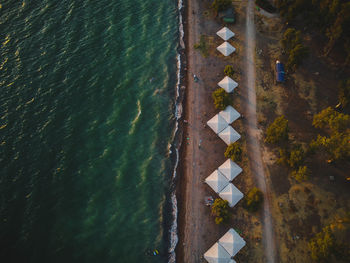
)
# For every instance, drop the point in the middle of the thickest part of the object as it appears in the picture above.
(253, 135)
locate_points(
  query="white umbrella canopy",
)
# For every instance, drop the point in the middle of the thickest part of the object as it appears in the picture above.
(230, 169)
(232, 242)
(217, 254)
(229, 114)
(228, 84)
(225, 33)
(226, 49)
(217, 123)
(229, 135)
(217, 181)
(231, 194)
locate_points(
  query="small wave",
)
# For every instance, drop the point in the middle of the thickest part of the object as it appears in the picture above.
(133, 123)
(178, 114)
(173, 231)
(181, 25)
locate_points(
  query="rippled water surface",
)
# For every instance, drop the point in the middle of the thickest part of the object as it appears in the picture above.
(86, 118)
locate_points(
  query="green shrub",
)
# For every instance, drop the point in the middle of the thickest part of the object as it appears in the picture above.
(296, 157)
(301, 174)
(219, 209)
(291, 38)
(202, 46)
(337, 145)
(292, 43)
(284, 156)
(277, 131)
(221, 99)
(234, 152)
(253, 199)
(322, 245)
(296, 56)
(229, 71)
(220, 5)
(329, 118)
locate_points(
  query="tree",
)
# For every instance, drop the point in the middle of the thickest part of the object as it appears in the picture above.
(219, 209)
(332, 243)
(339, 28)
(229, 71)
(296, 157)
(329, 118)
(344, 90)
(296, 56)
(291, 38)
(337, 145)
(234, 152)
(221, 99)
(277, 131)
(322, 246)
(220, 5)
(284, 156)
(301, 174)
(253, 199)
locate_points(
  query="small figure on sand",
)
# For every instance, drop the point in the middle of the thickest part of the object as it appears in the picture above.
(196, 79)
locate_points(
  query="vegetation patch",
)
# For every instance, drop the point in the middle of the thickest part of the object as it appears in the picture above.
(202, 46)
(234, 152)
(336, 144)
(292, 43)
(219, 209)
(301, 174)
(278, 131)
(221, 99)
(332, 243)
(330, 17)
(221, 5)
(228, 71)
(253, 199)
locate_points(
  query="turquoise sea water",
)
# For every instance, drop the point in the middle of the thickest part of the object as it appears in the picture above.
(86, 119)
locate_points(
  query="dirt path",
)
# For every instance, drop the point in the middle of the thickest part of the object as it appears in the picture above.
(253, 135)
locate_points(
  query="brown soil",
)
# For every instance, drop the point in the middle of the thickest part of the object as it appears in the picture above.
(300, 209)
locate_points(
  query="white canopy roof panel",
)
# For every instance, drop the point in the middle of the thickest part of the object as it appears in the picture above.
(228, 84)
(232, 242)
(225, 33)
(217, 181)
(217, 254)
(231, 194)
(230, 169)
(229, 135)
(226, 49)
(217, 123)
(229, 114)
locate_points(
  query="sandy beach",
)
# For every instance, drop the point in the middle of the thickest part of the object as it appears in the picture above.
(197, 229)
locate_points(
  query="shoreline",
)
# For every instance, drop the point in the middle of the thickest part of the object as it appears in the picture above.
(196, 229)
(178, 132)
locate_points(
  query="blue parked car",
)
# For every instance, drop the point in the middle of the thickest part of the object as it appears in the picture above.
(279, 71)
